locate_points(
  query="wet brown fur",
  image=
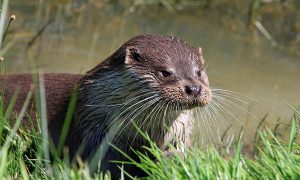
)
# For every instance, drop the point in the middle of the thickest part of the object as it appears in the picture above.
(58, 89)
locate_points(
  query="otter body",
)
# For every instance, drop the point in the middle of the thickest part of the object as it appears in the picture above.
(150, 84)
(58, 89)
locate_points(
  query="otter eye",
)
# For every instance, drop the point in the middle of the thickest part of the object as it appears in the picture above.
(165, 73)
(199, 73)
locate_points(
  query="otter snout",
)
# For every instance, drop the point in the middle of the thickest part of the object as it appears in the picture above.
(193, 90)
(196, 94)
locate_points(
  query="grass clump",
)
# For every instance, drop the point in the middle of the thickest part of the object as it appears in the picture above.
(275, 159)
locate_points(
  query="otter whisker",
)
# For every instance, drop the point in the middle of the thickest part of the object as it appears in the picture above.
(145, 119)
(212, 121)
(138, 95)
(157, 106)
(168, 107)
(223, 108)
(238, 106)
(231, 93)
(209, 121)
(218, 113)
(204, 116)
(200, 117)
(131, 106)
(155, 117)
(143, 107)
(220, 116)
(234, 92)
(232, 96)
(93, 112)
(156, 132)
(99, 105)
(197, 116)
(214, 115)
(136, 106)
(145, 123)
(161, 111)
(164, 128)
(103, 100)
(165, 112)
(121, 113)
(128, 119)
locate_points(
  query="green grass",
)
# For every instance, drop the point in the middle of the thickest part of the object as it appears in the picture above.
(275, 159)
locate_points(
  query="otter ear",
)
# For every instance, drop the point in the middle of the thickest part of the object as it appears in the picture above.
(200, 55)
(132, 55)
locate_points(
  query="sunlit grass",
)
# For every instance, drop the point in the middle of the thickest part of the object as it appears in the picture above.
(275, 160)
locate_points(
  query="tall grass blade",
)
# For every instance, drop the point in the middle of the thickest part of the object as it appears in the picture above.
(24, 173)
(3, 157)
(237, 158)
(11, 104)
(292, 134)
(294, 109)
(67, 122)
(2, 20)
(44, 120)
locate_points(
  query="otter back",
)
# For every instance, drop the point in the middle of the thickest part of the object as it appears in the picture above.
(58, 89)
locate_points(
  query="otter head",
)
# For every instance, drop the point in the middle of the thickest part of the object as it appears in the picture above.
(174, 68)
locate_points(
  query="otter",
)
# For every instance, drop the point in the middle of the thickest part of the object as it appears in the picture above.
(150, 85)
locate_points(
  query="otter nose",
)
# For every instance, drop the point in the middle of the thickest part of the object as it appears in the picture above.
(193, 90)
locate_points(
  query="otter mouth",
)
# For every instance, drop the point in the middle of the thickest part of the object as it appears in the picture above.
(186, 103)
(199, 102)
(194, 104)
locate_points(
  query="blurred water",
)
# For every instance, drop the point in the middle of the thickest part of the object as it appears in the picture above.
(76, 43)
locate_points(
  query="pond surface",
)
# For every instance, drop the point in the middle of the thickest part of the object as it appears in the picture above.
(74, 43)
